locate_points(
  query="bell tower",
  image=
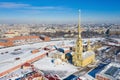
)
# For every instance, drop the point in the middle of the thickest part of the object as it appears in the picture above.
(77, 57)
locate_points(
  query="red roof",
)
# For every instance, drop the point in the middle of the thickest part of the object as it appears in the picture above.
(27, 64)
(22, 37)
(52, 77)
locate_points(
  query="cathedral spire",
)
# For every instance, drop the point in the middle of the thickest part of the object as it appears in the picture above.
(79, 25)
(80, 58)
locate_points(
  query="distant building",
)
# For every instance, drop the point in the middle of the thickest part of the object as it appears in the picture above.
(110, 72)
(16, 31)
(5, 43)
(117, 57)
(19, 40)
(11, 34)
(44, 38)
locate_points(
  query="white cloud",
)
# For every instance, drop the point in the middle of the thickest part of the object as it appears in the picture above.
(44, 7)
(12, 5)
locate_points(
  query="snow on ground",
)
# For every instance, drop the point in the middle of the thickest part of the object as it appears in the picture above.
(16, 74)
(87, 77)
(46, 64)
(4, 66)
(7, 58)
(115, 44)
(117, 39)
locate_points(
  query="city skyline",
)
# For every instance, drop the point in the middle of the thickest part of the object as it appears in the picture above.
(63, 11)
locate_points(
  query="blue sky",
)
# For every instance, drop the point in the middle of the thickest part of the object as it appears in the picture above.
(59, 11)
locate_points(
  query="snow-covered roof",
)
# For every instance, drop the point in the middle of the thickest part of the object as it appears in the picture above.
(46, 64)
(115, 75)
(16, 74)
(6, 58)
(9, 63)
(101, 48)
(87, 54)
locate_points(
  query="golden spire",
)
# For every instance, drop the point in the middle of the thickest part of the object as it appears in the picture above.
(79, 25)
(88, 45)
(78, 57)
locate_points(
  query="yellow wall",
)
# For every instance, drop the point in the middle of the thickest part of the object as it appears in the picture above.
(84, 62)
(11, 35)
(88, 60)
(76, 60)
